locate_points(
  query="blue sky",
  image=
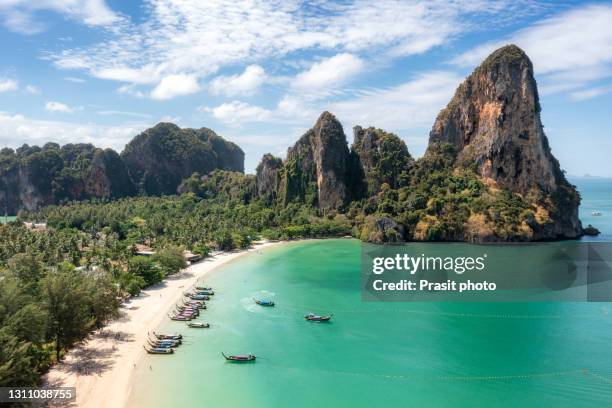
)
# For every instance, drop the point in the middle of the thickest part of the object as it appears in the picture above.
(259, 72)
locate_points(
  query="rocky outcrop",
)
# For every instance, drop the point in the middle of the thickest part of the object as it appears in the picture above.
(316, 167)
(383, 158)
(161, 157)
(154, 163)
(382, 230)
(108, 176)
(494, 123)
(267, 175)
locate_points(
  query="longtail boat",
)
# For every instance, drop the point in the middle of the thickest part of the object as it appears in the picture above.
(198, 325)
(198, 297)
(203, 288)
(162, 345)
(175, 343)
(204, 292)
(179, 318)
(172, 342)
(168, 336)
(315, 318)
(185, 309)
(240, 358)
(158, 350)
(194, 304)
(264, 302)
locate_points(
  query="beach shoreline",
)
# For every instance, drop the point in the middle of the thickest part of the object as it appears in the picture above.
(100, 369)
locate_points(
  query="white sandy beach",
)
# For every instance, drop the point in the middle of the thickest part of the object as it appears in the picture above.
(101, 368)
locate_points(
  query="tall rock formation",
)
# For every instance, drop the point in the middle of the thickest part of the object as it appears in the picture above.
(316, 167)
(493, 121)
(267, 175)
(161, 157)
(383, 158)
(31, 176)
(154, 163)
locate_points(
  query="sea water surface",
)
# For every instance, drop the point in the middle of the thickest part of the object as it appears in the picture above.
(378, 354)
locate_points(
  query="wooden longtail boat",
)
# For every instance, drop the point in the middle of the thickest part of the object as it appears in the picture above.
(240, 358)
(158, 350)
(315, 318)
(168, 336)
(187, 310)
(168, 341)
(203, 288)
(194, 304)
(204, 292)
(198, 325)
(179, 318)
(264, 302)
(162, 345)
(198, 297)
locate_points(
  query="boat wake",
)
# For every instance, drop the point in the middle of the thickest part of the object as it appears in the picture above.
(251, 306)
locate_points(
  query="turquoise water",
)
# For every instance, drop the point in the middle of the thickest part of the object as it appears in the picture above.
(10, 218)
(596, 196)
(375, 354)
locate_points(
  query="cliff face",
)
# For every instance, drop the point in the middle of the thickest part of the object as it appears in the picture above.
(493, 121)
(383, 158)
(32, 177)
(161, 157)
(154, 163)
(267, 176)
(316, 167)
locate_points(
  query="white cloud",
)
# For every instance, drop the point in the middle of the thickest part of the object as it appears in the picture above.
(175, 85)
(409, 105)
(569, 51)
(237, 112)
(123, 113)
(329, 72)
(53, 106)
(199, 38)
(246, 83)
(20, 15)
(8, 85)
(412, 104)
(74, 79)
(31, 89)
(590, 93)
(33, 131)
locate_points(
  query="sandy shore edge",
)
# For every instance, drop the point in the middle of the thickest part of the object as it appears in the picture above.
(101, 368)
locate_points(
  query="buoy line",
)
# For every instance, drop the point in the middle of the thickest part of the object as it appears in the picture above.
(507, 377)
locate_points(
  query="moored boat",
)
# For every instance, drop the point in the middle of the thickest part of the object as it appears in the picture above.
(168, 336)
(161, 345)
(264, 302)
(240, 358)
(179, 318)
(158, 350)
(197, 296)
(175, 343)
(203, 288)
(198, 325)
(316, 318)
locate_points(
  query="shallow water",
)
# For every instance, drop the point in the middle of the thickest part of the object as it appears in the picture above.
(375, 354)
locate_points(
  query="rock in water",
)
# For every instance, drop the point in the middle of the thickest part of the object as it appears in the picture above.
(493, 121)
(315, 169)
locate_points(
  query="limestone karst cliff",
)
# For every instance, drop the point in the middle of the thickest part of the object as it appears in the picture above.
(493, 121)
